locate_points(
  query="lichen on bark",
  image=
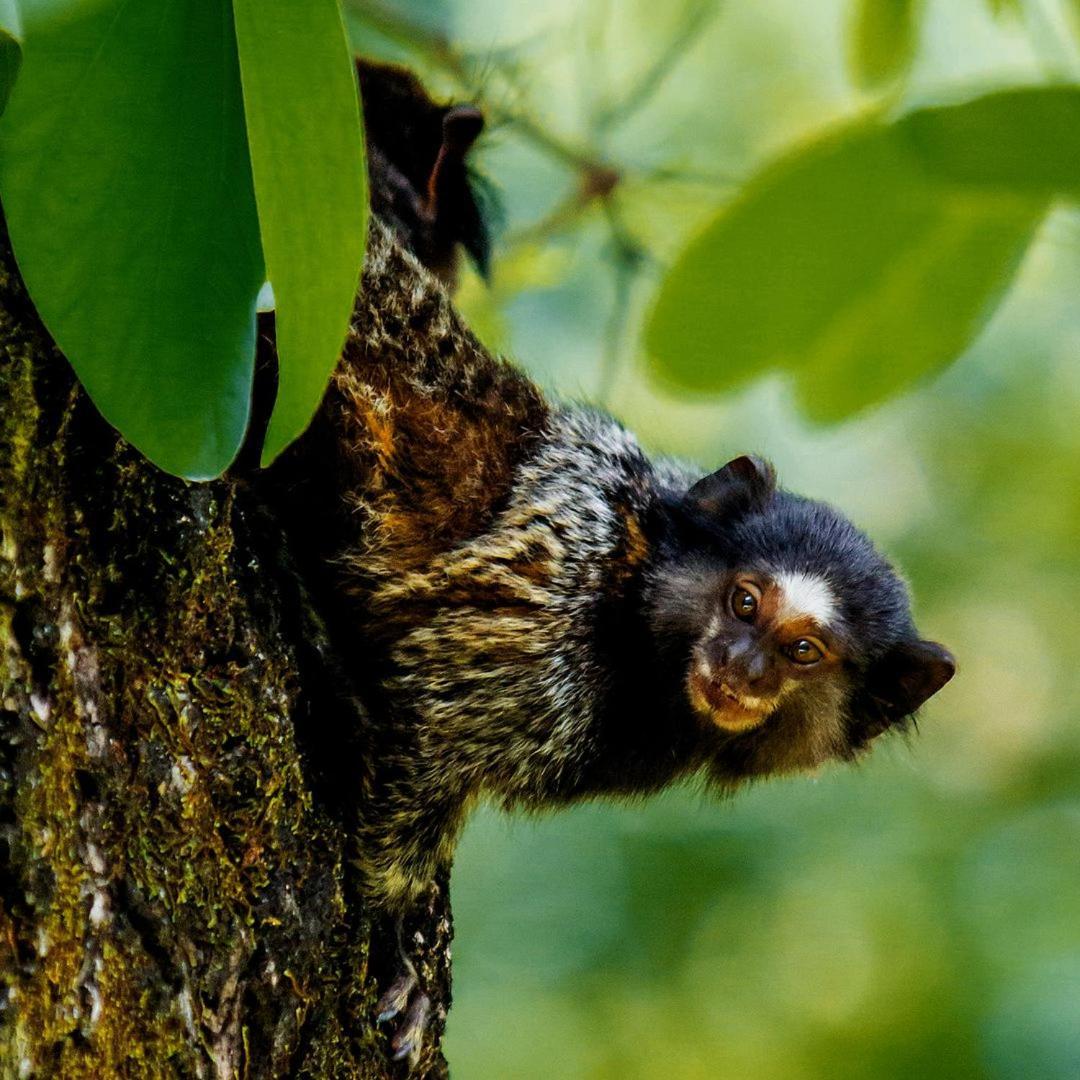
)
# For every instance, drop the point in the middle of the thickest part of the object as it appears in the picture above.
(176, 897)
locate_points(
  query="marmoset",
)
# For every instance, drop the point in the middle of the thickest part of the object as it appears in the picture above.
(537, 611)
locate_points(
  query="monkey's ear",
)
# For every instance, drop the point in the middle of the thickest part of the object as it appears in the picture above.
(448, 182)
(452, 190)
(908, 675)
(741, 486)
(461, 127)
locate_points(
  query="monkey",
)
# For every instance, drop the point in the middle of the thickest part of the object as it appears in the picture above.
(535, 610)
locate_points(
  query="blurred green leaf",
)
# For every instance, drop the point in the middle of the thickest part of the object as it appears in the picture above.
(871, 257)
(922, 308)
(1001, 8)
(882, 40)
(1024, 140)
(307, 154)
(127, 189)
(10, 48)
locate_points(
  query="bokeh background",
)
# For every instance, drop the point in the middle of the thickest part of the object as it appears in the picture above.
(918, 915)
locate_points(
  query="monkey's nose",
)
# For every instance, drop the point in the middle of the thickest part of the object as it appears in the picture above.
(754, 666)
(732, 653)
(742, 660)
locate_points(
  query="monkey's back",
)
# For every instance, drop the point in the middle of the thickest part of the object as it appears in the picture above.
(428, 426)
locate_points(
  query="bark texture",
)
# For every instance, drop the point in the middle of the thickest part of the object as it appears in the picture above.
(175, 888)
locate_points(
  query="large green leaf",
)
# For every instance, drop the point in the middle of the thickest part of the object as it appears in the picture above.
(127, 188)
(882, 39)
(924, 306)
(307, 154)
(10, 48)
(870, 257)
(1017, 140)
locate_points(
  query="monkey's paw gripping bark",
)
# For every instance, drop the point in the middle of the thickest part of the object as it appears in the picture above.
(406, 999)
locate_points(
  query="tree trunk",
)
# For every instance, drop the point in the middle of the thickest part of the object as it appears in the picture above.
(176, 896)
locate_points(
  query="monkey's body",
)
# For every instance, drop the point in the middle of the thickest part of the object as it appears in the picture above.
(532, 609)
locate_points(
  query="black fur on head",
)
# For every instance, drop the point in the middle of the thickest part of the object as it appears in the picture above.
(795, 633)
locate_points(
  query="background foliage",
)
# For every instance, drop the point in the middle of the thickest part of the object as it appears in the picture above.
(916, 916)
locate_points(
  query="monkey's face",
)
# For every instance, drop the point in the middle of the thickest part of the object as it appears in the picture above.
(769, 636)
(791, 636)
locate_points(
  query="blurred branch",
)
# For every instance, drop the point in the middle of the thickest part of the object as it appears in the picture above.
(697, 15)
(598, 173)
(561, 217)
(629, 258)
(676, 174)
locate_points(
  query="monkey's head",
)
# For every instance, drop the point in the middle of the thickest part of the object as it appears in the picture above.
(794, 633)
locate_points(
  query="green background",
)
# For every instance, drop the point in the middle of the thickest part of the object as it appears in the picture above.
(918, 915)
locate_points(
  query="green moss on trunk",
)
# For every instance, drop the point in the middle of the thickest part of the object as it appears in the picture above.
(175, 893)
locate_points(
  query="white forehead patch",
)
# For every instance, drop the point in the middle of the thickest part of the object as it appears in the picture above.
(805, 594)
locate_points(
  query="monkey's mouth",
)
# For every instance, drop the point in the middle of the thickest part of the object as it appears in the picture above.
(724, 706)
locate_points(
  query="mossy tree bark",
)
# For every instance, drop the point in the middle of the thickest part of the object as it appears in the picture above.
(175, 888)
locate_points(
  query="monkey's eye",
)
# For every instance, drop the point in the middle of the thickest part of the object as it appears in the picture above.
(744, 604)
(804, 651)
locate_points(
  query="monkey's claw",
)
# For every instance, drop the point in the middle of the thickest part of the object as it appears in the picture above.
(409, 1038)
(404, 998)
(397, 996)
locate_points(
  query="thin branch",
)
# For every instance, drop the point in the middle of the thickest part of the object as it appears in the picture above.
(674, 174)
(697, 15)
(566, 213)
(628, 260)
